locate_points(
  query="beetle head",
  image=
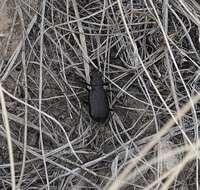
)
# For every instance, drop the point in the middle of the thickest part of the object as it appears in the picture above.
(96, 78)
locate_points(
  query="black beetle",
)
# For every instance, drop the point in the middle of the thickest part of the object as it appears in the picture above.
(98, 101)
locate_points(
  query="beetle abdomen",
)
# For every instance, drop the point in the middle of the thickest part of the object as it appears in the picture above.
(99, 107)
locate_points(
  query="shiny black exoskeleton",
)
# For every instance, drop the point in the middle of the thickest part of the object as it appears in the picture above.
(98, 101)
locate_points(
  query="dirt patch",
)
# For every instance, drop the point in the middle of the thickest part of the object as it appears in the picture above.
(10, 25)
(9, 29)
(4, 19)
(4, 26)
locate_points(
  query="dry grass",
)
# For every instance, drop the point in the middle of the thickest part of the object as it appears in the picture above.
(148, 51)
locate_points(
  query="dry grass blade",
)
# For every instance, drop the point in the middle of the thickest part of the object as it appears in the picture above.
(8, 137)
(83, 41)
(132, 163)
(148, 53)
(41, 94)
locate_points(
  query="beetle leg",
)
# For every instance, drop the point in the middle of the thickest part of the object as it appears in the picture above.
(106, 83)
(111, 109)
(85, 101)
(112, 90)
(85, 83)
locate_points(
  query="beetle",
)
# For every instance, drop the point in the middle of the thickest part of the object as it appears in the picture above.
(98, 101)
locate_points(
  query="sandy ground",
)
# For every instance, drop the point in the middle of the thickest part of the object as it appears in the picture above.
(9, 29)
(10, 26)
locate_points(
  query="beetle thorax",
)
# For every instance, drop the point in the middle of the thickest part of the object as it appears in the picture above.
(96, 79)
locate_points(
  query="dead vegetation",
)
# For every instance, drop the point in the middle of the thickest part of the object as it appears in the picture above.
(148, 51)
